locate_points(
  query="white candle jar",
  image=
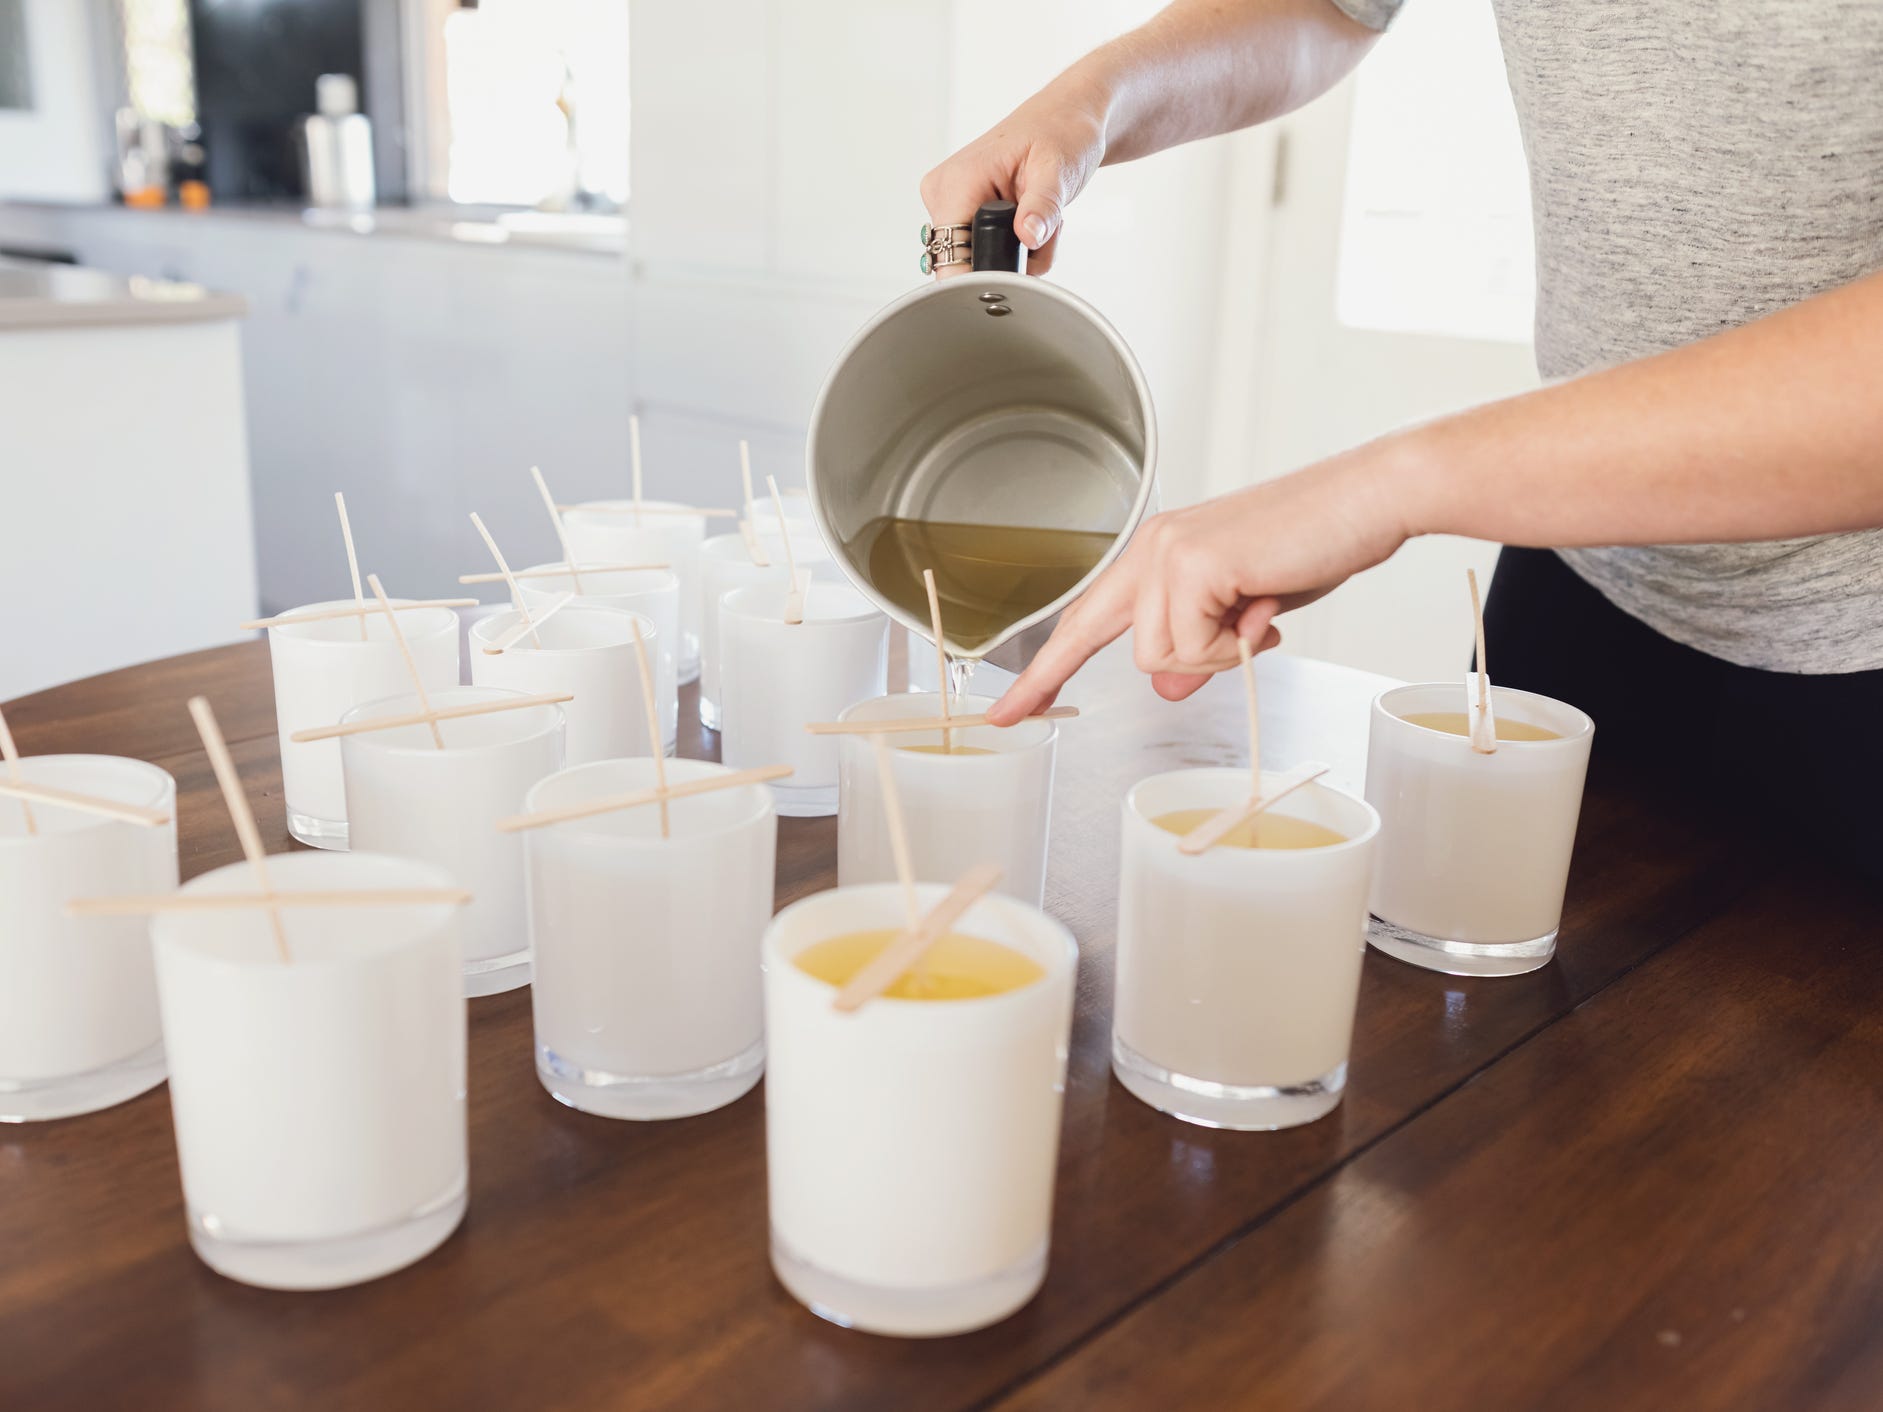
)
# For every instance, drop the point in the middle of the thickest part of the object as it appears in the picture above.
(319, 1103)
(776, 677)
(1239, 968)
(78, 1000)
(408, 798)
(726, 564)
(324, 669)
(655, 595)
(1474, 856)
(960, 809)
(911, 1145)
(609, 532)
(647, 996)
(586, 651)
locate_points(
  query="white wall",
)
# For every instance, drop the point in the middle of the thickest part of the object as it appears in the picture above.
(57, 150)
(777, 152)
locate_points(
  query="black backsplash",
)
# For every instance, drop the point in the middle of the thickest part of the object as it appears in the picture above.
(256, 62)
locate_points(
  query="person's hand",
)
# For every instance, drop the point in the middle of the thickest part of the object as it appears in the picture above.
(1039, 158)
(1193, 581)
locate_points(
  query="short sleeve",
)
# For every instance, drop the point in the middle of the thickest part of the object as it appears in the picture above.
(1374, 14)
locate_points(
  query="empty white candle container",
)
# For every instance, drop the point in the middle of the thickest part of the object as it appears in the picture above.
(665, 532)
(726, 564)
(78, 1000)
(911, 1144)
(775, 677)
(960, 809)
(1475, 849)
(587, 651)
(319, 1103)
(408, 798)
(655, 595)
(647, 992)
(1239, 968)
(324, 669)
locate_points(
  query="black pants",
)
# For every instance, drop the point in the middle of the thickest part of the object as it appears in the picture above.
(1804, 753)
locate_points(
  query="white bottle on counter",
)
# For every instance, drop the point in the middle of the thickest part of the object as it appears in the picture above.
(339, 147)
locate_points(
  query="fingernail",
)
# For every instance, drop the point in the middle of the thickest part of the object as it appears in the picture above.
(1034, 230)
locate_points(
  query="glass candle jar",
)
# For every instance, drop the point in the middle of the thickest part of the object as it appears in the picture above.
(610, 532)
(655, 595)
(1239, 967)
(586, 651)
(1474, 852)
(726, 564)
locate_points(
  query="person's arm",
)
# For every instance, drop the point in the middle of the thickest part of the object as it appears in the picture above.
(1196, 68)
(1762, 432)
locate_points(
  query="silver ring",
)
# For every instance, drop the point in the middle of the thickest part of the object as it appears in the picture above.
(940, 244)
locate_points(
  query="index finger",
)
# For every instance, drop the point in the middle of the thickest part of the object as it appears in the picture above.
(1094, 621)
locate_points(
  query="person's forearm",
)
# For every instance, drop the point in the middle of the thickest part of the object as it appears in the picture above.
(1767, 431)
(1202, 67)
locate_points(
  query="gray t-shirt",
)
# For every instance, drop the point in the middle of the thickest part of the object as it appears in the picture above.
(1695, 165)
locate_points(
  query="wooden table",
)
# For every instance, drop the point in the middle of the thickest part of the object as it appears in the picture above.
(1647, 1176)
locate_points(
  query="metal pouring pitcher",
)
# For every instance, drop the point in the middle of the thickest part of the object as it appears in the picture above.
(989, 398)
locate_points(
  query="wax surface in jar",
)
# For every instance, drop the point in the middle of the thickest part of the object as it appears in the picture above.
(1265, 830)
(1454, 723)
(947, 749)
(958, 967)
(987, 577)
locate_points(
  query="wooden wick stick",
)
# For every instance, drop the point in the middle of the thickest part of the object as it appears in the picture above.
(1247, 659)
(83, 803)
(748, 512)
(555, 519)
(941, 657)
(556, 571)
(905, 952)
(411, 662)
(325, 614)
(12, 754)
(239, 813)
(419, 718)
(927, 723)
(528, 625)
(794, 598)
(656, 747)
(588, 809)
(898, 829)
(714, 512)
(503, 570)
(353, 560)
(1483, 725)
(239, 901)
(634, 456)
(1218, 827)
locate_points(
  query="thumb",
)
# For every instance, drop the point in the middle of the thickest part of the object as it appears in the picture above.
(1045, 185)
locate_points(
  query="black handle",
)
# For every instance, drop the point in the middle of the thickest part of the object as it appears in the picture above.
(994, 245)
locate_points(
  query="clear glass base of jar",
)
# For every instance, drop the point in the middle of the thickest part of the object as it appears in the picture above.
(36, 1100)
(318, 833)
(1460, 958)
(331, 1263)
(650, 1098)
(1242, 1107)
(903, 1311)
(495, 974)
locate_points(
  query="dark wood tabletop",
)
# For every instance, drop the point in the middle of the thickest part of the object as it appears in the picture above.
(1647, 1176)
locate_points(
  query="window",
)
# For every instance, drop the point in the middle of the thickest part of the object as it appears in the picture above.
(159, 81)
(520, 102)
(1435, 230)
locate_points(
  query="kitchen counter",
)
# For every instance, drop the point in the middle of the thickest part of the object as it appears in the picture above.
(577, 232)
(36, 295)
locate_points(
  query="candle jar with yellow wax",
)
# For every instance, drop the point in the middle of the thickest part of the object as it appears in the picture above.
(1474, 850)
(986, 798)
(1239, 968)
(911, 1143)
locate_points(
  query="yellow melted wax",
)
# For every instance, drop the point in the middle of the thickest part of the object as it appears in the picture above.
(958, 967)
(947, 749)
(1455, 723)
(1266, 830)
(987, 577)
